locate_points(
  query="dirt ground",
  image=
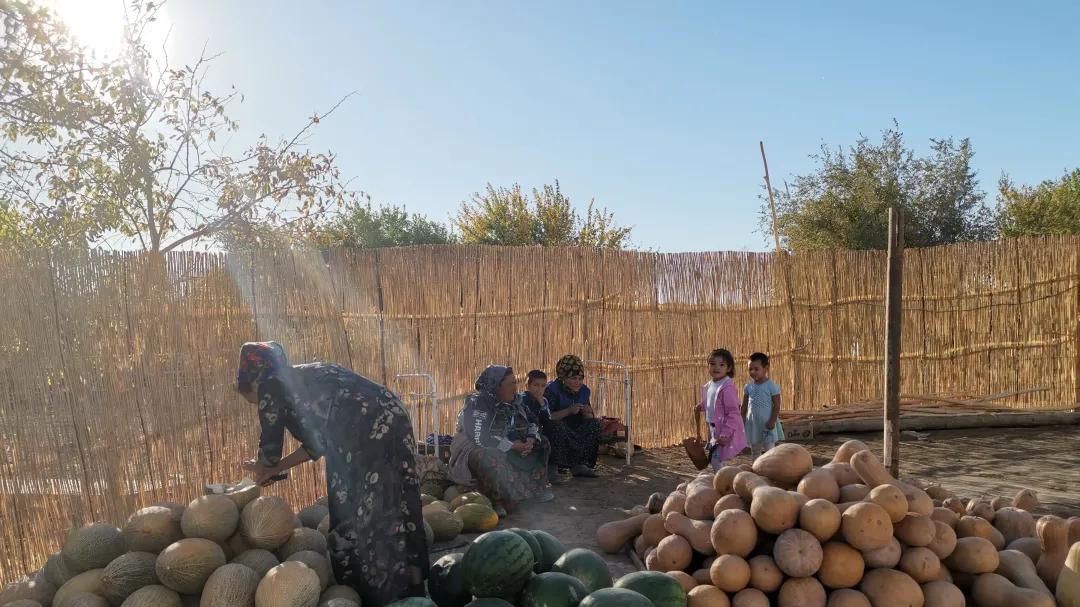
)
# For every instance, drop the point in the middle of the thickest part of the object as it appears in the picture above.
(990, 462)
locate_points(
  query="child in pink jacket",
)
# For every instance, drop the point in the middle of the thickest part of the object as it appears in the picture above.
(720, 402)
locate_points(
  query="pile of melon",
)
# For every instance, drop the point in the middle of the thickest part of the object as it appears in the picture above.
(456, 510)
(234, 549)
(848, 534)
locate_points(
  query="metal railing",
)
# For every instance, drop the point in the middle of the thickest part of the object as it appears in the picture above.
(627, 385)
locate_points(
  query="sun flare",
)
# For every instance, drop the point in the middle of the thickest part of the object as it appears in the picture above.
(97, 25)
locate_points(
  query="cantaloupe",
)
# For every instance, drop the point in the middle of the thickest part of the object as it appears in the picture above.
(86, 599)
(93, 546)
(472, 497)
(317, 563)
(151, 529)
(153, 596)
(126, 574)
(258, 559)
(230, 585)
(243, 494)
(87, 581)
(211, 517)
(267, 522)
(291, 584)
(300, 540)
(324, 525)
(339, 592)
(59, 569)
(313, 515)
(186, 565)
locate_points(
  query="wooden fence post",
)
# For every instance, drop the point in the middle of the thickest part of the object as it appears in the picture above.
(893, 323)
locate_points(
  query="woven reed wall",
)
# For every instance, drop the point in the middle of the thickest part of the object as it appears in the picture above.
(117, 369)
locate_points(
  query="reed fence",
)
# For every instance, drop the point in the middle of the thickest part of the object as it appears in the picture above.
(117, 369)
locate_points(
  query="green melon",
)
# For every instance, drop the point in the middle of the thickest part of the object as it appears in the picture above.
(477, 518)
(59, 569)
(472, 497)
(324, 526)
(34, 587)
(433, 488)
(151, 529)
(490, 602)
(338, 603)
(300, 540)
(550, 547)
(260, 561)
(313, 515)
(86, 599)
(445, 525)
(316, 562)
(446, 583)
(586, 566)
(426, 499)
(414, 601)
(126, 574)
(663, 590)
(497, 564)
(343, 593)
(186, 565)
(538, 554)
(23, 603)
(153, 596)
(429, 535)
(552, 589)
(616, 597)
(230, 585)
(94, 546)
(87, 581)
(451, 492)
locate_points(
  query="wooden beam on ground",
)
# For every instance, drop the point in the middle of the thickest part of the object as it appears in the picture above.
(807, 430)
(894, 290)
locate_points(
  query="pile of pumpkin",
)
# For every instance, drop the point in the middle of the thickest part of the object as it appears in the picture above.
(848, 534)
(235, 548)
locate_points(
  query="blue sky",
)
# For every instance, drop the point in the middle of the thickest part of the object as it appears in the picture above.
(653, 108)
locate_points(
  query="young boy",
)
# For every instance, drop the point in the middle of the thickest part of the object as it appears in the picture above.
(761, 407)
(537, 404)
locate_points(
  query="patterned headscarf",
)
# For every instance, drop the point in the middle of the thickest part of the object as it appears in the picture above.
(569, 366)
(488, 382)
(260, 361)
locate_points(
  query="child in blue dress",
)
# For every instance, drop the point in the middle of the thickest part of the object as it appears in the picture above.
(761, 407)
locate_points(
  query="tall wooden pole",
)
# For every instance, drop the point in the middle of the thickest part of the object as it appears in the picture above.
(781, 256)
(772, 202)
(893, 325)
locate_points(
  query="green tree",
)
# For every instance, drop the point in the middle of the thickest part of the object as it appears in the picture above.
(361, 225)
(507, 216)
(1052, 207)
(130, 146)
(844, 203)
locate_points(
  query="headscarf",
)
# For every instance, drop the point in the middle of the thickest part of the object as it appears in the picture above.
(487, 385)
(259, 362)
(569, 366)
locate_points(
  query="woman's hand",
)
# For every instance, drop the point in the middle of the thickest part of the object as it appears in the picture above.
(723, 440)
(523, 448)
(587, 412)
(575, 409)
(262, 475)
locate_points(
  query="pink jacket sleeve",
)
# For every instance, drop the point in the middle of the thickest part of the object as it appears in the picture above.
(730, 423)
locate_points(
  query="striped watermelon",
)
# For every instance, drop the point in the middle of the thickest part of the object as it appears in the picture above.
(497, 564)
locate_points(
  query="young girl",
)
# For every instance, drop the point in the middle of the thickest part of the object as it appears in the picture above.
(761, 407)
(720, 402)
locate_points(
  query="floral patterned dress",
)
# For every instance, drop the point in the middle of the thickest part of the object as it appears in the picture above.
(376, 539)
